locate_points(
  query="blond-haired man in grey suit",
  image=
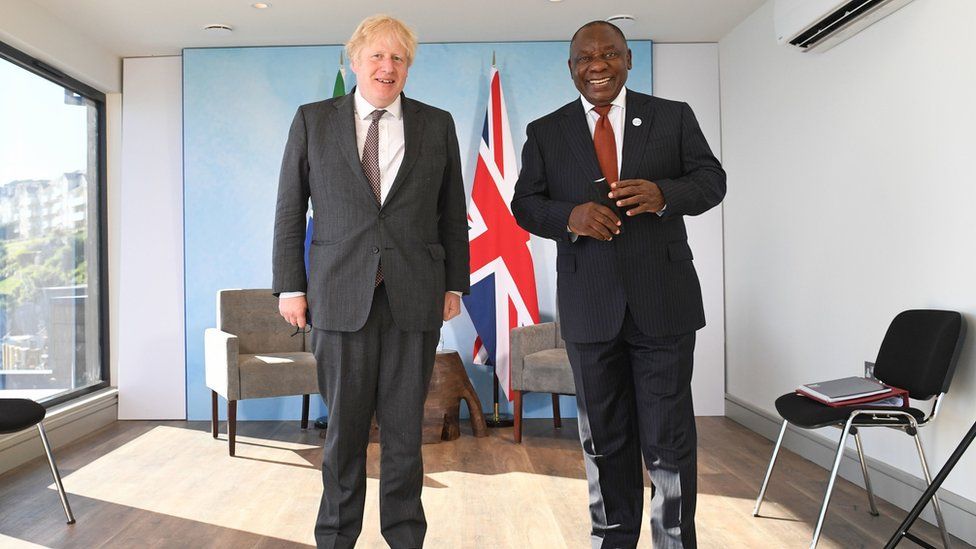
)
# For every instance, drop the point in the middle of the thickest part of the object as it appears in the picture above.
(387, 266)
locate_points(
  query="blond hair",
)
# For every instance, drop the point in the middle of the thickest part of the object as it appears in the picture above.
(377, 27)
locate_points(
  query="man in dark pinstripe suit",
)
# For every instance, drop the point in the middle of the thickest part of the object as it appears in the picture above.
(610, 177)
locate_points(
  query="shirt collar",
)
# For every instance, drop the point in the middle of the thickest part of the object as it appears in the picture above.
(619, 101)
(364, 109)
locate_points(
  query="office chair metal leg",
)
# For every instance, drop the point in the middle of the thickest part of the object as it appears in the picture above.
(57, 475)
(830, 484)
(864, 470)
(936, 506)
(769, 470)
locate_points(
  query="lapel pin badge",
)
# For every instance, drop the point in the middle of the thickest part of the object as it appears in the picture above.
(637, 122)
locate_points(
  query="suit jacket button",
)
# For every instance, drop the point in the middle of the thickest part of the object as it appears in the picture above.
(382, 216)
(375, 250)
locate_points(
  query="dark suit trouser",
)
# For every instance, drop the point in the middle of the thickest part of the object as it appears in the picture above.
(634, 397)
(385, 370)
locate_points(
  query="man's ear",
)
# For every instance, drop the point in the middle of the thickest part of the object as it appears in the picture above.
(630, 60)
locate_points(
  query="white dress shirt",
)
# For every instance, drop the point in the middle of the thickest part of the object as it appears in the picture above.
(391, 138)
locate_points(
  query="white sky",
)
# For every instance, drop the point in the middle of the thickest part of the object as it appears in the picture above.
(40, 136)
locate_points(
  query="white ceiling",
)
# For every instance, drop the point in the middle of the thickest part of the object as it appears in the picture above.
(132, 28)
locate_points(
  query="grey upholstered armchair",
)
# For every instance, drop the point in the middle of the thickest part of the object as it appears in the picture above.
(253, 354)
(539, 364)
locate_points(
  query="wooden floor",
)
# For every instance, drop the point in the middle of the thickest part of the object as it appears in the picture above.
(169, 484)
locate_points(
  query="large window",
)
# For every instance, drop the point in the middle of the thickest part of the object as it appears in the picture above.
(52, 275)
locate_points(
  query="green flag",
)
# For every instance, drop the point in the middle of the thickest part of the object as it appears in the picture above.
(340, 83)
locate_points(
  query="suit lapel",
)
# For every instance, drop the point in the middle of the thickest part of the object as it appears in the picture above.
(580, 141)
(344, 126)
(638, 108)
(413, 131)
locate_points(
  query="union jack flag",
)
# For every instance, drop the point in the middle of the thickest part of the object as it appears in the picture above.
(503, 293)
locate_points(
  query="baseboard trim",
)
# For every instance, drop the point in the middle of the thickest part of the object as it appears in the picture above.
(64, 423)
(891, 484)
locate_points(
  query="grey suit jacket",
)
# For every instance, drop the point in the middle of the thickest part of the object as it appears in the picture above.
(420, 233)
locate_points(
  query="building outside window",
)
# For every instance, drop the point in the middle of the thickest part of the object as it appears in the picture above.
(52, 269)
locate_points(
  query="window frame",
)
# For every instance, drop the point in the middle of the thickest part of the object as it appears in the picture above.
(46, 71)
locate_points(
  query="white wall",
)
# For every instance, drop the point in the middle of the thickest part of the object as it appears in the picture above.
(850, 199)
(28, 27)
(151, 351)
(113, 153)
(689, 73)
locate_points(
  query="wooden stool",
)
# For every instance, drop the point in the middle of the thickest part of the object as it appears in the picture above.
(449, 384)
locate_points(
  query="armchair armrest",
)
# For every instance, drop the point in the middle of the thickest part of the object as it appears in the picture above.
(220, 360)
(526, 340)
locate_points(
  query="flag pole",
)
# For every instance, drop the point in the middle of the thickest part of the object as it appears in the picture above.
(497, 419)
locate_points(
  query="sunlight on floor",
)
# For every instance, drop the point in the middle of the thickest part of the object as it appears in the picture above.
(8, 542)
(187, 474)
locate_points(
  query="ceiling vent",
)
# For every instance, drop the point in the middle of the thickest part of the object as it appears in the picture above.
(818, 25)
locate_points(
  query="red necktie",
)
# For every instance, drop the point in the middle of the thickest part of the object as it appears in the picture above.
(605, 145)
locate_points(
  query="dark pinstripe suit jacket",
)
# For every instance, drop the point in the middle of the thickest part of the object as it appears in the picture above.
(420, 233)
(648, 267)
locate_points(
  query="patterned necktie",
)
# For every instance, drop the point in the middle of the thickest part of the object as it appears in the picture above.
(605, 145)
(371, 167)
(371, 153)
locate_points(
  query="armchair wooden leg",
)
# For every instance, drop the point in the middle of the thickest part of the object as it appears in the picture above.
(518, 416)
(231, 425)
(557, 420)
(304, 411)
(213, 413)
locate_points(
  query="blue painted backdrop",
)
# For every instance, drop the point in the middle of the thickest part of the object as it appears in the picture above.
(237, 106)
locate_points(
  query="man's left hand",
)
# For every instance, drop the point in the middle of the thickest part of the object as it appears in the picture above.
(452, 305)
(637, 196)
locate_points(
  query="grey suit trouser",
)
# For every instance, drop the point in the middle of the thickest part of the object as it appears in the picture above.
(385, 370)
(633, 394)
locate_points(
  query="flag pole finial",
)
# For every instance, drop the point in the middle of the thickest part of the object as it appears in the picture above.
(493, 58)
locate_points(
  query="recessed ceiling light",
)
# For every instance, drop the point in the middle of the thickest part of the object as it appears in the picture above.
(555, 0)
(261, 5)
(219, 28)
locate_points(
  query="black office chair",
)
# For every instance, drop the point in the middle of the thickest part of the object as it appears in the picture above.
(17, 414)
(919, 354)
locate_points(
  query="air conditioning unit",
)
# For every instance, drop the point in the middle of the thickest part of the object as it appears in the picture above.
(822, 24)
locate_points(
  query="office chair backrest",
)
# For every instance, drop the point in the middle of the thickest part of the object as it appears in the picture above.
(920, 351)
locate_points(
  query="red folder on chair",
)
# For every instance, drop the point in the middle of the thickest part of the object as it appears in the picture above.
(860, 392)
